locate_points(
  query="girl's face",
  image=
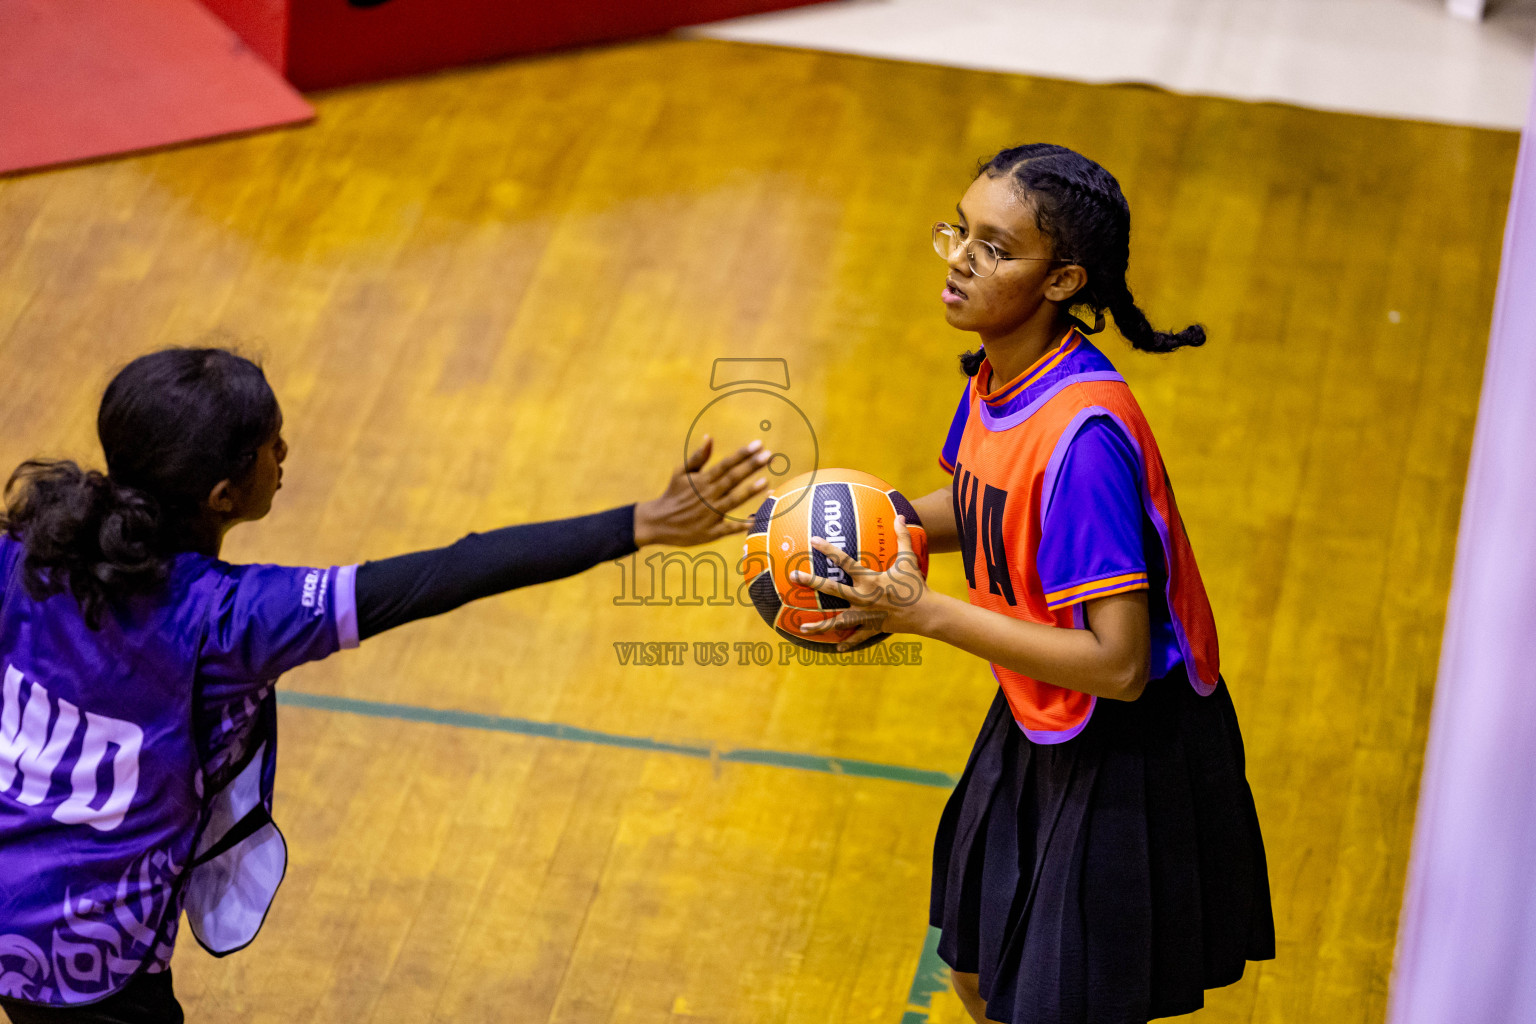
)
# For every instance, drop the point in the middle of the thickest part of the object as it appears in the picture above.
(996, 306)
(253, 496)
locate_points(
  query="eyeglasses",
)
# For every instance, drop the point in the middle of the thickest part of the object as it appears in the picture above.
(980, 253)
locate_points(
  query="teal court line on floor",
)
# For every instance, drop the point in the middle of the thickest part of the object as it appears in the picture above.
(576, 734)
(932, 975)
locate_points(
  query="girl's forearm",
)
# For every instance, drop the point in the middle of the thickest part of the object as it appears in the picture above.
(1077, 659)
(937, 511)
(394, 591)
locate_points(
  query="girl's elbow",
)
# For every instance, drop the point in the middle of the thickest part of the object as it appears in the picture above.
(1130, 681)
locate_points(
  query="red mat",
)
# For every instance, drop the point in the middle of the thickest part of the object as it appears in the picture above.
(324, 43)
(92, 78)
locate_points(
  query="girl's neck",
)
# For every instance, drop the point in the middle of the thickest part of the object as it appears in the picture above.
(1012, 353)
(206, 536)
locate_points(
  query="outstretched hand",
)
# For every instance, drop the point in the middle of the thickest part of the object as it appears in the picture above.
(693, 508)
(878, 602)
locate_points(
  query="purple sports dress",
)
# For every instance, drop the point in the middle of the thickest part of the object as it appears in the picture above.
(136, 767)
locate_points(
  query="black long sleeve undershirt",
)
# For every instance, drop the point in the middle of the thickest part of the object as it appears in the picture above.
(394, 591)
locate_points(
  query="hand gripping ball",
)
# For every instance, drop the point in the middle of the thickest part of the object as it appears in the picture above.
(850, 510)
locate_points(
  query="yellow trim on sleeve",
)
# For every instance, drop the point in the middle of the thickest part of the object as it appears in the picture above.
(1097, 588)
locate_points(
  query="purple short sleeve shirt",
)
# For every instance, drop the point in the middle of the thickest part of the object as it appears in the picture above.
(116, 746)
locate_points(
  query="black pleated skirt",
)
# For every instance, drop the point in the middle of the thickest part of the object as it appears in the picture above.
(1110, 879)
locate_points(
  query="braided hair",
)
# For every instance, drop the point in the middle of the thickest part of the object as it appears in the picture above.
(1081, 211)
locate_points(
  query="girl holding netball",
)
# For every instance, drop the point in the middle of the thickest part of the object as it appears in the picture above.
(137, 718)
(1100, 861)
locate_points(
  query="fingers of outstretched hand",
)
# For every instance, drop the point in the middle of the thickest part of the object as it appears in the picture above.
(744, 470)
(744, 492)
(745, 456)
(720, 506)
(903, 536)
(700, 455)
(726, 527)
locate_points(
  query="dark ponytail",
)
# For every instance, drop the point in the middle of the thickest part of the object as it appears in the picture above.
(83, 534)
(1082, 212)
(172, 425)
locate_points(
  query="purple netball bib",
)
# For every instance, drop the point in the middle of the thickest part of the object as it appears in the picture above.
(131, 754)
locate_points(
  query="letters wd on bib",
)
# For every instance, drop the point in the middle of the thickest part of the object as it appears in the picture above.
(91, 905)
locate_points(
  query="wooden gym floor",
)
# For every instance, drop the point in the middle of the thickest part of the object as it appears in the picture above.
(495, 295)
